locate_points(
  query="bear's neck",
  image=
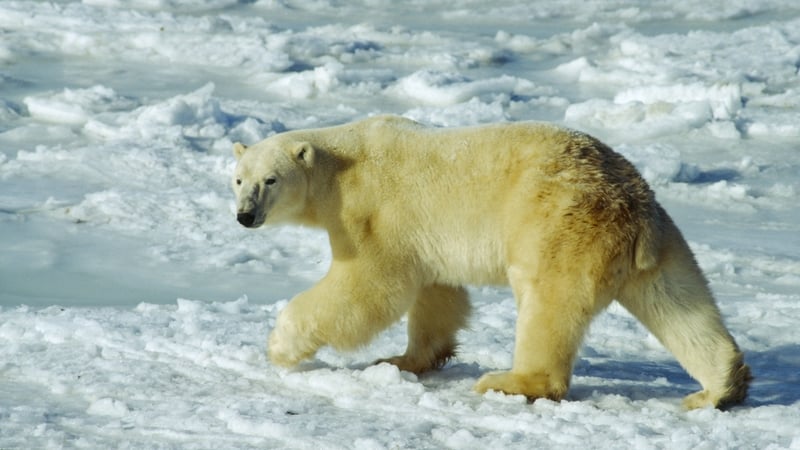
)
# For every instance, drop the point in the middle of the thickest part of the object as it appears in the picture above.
(332, 172)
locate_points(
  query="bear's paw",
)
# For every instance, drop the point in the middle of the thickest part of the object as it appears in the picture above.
(531, 385)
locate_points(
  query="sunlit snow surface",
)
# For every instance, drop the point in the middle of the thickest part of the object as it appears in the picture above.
(134, 309)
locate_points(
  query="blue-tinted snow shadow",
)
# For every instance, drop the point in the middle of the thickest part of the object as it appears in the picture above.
(637, 380)
(716, 175)
(776, 373)
(776, 377)
(776, 380)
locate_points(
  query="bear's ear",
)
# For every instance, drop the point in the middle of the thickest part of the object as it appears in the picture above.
(304, 154)
(238, 150)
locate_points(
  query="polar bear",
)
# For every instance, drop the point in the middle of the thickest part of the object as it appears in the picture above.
(414, 214)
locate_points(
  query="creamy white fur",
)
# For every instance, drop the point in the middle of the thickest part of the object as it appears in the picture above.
(415, 213)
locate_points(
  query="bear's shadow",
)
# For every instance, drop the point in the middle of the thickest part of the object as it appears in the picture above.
(776, 373)
(776, 378)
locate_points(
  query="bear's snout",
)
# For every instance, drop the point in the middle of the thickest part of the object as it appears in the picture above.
(245, 218)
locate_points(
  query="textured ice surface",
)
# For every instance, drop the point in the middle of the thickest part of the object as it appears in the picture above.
(134, 310)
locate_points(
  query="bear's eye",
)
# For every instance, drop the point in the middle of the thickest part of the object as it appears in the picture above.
(270, 181)
(238, 181)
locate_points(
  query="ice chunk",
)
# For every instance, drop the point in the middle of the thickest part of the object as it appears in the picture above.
(108, 407)
(76, 106)
(439, 88)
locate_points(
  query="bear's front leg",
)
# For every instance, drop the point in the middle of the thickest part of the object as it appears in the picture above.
(345, 310)
(294, 337)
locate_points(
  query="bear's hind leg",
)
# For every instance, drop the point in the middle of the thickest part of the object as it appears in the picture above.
(675, 304)
(433, 321)
(552, 317)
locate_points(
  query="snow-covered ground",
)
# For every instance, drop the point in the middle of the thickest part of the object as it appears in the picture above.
(134, 309)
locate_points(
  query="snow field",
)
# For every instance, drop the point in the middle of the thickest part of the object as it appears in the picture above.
(120, 255)
(195, 376)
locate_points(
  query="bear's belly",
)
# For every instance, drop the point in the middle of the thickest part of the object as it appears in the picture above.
(458, 261)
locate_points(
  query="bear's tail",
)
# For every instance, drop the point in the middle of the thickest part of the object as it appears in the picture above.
(647, 246)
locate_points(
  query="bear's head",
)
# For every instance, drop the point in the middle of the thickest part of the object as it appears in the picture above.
(271, 181)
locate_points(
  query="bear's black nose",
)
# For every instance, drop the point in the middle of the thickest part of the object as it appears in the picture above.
(246, 219)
